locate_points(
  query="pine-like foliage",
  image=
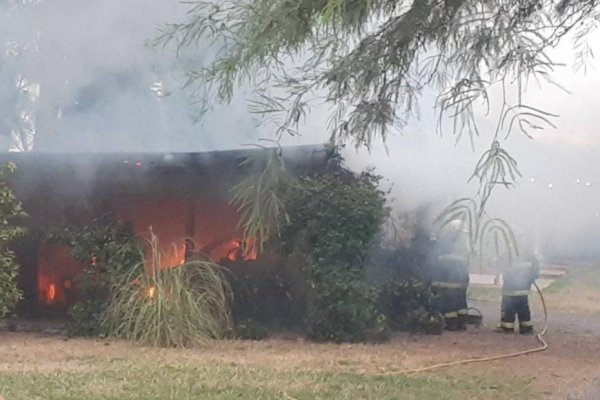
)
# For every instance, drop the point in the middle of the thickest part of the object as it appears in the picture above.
(258, 197)
(369, 61)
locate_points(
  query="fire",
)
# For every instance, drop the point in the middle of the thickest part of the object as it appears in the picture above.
(172, 256)
(233, 253)
(242, 251)
(151, 292)
(251, 253)
(51, 292)
(180, 252)
(187, 229)
(208, 227)
(57, 269)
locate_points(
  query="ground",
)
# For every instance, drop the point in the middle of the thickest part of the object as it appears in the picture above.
(50, 367)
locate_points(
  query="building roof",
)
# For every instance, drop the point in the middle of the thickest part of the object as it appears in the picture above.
(55, 184)
(293, 155)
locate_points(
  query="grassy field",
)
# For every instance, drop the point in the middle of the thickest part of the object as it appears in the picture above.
(76, 370)
(126, 380)
(34, 367)
(579, 292)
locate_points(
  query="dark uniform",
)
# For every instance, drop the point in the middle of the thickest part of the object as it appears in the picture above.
(515, 296)
(449, 285)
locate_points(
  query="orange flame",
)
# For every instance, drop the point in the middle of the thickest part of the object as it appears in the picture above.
(174, 256)
(151, 292)
(251, 252)
(238, 251)
(51, 292)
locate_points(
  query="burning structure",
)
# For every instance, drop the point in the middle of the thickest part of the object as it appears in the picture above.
(183, 198)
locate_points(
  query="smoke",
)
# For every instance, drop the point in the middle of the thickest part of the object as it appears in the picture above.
(555, 207)
(80, 76)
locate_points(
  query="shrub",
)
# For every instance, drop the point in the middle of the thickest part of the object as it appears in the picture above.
(11, 228)
(430, 322)
(263, 292)
(342, 308)
(10, 294)
(403, 300)
(249, 329)
(380, 332)
(328, 221)
(87, 315)
(106, 250)
(401, 270)
(334, 220)
(181, 306)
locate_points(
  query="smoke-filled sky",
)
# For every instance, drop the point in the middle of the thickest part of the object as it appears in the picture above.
(99, 82)
(79, 73)
(558, 197)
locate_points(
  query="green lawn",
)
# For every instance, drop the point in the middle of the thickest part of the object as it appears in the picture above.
(123, 379)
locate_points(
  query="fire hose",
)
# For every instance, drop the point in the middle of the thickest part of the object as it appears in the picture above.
(539, 336)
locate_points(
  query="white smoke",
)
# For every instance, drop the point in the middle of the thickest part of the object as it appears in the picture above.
(78, 75)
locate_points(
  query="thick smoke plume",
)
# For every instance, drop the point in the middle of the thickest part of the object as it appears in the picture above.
(79, 76)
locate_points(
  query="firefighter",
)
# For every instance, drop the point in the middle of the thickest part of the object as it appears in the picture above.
(451, 280)
(515, 296)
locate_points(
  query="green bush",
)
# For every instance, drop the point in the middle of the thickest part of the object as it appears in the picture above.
(429, 322)
(380, 332)
(404, 300)
(334, 220)
(106, 251)
(263, 292)
(181, 306)
(342, 308)
(87, 316)
(250, 330)
(10, 294)
(11, 227)
(401, 271)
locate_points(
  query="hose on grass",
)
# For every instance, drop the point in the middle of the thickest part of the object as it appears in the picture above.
(539, 336)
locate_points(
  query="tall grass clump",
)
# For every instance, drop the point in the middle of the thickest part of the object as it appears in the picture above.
(175, 307)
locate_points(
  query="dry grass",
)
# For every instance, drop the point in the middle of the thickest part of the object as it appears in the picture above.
(34, 367)
(50, 368)
(577, 293)
(27, 353)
